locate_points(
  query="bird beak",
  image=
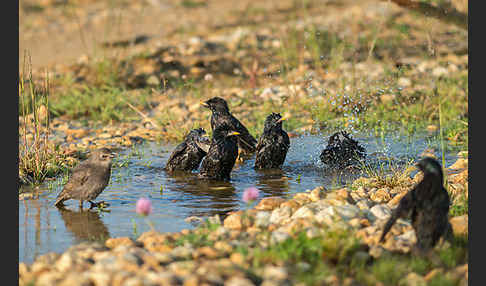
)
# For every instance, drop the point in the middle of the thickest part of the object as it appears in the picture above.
(204, 103)
(112, 155)
(234, 133)
(282, 119)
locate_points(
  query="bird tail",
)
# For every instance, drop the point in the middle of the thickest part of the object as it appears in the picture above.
(60, 201)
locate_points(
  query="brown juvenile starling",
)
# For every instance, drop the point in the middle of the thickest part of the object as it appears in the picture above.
(273, 145)
(221, 115)
(342, 151)
(222, 154)
(88, 179)
(188, 155)
(428, 205)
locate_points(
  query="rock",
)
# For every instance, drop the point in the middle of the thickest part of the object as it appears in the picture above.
(326, 215)
(262, 219)
(223, 246)
(405, 82)
(280, 214)
(387, 98)
(206, 251)
(65, 262)
(183, 268)
(302, 198)
(413, 279)
(99, 278)
(347, 212)
(235, 220)
(363, 204)
(381, 211)
(182, 252)
(380, 196)
(317, 194)
(460, 224)
(396, 199)
(239, 281)
(292, 204)
(275, 273)
(461, 163)
(237, 258)
(278, 236)
(270, 203)
(440, 71)
(48, 278)
(303, 212)
(114, 242)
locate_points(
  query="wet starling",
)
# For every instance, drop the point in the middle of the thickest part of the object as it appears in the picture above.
(188, 155)
(88, 179)
(428, 205)
(273, 145)
(222, 154)
(221, 115)
(342, 151)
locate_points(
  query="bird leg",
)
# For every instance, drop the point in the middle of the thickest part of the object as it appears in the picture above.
(239, 158)
(80, 204)
(100, 204)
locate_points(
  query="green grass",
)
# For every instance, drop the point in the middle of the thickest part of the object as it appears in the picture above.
(104, 104)
(312, 260)
(38, 157)
(460, 206)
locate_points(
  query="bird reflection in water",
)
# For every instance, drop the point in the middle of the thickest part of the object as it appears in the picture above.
(273, 182)
(86, 225)
(205, 197)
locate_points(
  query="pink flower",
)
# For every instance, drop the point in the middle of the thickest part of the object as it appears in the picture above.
(143, 206)
(250, 194)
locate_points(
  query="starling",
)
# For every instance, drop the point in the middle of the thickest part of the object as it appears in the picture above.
(273, 145)
(222, 154)
(342, 151)
(221, 115)
(188, 155)
(88, 179)
(428, 205)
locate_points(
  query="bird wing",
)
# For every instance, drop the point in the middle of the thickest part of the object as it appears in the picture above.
(210, 162)
(180, 149)
(77, 180)
(404, 207)
(245, 137)
(286, 139)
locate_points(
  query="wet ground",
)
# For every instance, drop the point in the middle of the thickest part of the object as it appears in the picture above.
(138, 172)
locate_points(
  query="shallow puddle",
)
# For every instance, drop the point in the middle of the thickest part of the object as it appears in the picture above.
(138, 172)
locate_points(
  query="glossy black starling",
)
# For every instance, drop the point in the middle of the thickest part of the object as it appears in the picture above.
(342, 151)
(428, 205)
(273, 145)
(188, 155)
(221, 115)
(222, 154)
(88, 179)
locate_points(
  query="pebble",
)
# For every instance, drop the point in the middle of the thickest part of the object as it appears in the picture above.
(280, 214)
(381, 211)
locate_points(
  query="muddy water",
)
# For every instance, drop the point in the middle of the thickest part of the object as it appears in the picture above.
(138, 173)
